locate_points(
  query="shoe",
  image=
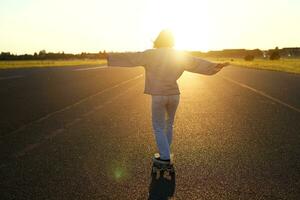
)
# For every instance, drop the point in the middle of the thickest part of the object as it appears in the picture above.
(161, 161)
(157, 158)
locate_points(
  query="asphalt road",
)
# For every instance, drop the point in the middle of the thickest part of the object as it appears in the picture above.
(86, 134)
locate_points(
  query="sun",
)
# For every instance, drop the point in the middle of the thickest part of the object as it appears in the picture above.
(189, 24)
(189, 38)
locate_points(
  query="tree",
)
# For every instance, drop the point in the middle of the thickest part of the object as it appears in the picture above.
(275, 54)
(5, 55)
(42, 53)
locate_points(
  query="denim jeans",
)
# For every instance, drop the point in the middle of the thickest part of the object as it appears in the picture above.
(163, 113)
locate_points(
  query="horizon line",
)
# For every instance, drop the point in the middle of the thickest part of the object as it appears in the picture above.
(114, 51)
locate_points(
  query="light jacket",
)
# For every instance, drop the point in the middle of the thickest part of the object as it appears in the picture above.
(163, 67)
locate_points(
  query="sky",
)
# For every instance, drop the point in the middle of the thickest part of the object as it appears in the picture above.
(74, 26)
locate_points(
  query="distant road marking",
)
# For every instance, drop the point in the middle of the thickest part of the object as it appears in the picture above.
(11, 77)
(73, 105)
(90, 68)
(54, 133)
(263, 94)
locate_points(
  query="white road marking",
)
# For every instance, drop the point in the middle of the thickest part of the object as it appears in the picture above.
(27, 149)
(73, 105)
(263, 94)
(54, 133)
(90, 68)
(11, 77)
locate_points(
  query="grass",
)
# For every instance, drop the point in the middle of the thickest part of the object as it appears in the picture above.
(49, 63)
(285, 65)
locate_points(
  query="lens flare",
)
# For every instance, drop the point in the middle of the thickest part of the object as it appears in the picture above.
(118, 173)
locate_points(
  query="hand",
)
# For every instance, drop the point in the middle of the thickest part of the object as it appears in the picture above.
(221, 65)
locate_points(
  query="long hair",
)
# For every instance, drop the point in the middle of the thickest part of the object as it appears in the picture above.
(164, 39)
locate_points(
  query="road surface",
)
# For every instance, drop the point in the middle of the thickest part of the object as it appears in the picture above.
(85, 133)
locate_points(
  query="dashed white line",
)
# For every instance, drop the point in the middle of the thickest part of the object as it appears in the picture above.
(263, 94)
(73, 105)
(11, 77)
(90, 68)
(54, 133)
(27, 149)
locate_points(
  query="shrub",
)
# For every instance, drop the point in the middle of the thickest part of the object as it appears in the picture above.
(275, 55)
(249, 57)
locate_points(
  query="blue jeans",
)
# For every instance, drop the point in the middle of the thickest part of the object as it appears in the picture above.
(163, 113)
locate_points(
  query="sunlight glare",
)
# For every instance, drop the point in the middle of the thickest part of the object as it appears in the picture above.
(188, 20)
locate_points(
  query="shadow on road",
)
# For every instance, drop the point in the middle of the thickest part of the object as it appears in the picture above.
(162, 186)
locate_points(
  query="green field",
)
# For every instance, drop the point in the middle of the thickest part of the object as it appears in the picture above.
(286, 65)
(49, 63)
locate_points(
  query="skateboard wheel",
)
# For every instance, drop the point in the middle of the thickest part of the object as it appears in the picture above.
(167, 175)
(157, 175)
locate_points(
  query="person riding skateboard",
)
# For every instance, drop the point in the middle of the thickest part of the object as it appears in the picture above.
(163, 67)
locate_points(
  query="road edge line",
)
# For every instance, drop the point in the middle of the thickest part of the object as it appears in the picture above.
(262, 94)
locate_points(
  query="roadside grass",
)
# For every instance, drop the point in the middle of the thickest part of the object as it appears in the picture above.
(285, 65)
(49, 63)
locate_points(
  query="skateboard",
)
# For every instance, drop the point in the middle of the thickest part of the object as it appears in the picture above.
(166, 171)
(163, 181)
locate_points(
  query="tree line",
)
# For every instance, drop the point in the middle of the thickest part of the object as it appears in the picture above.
(272, 54)
(248, 55)
(43, 55)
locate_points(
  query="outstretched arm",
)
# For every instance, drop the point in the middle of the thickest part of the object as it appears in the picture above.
(198, 65)
(125, 59)
(220, 66)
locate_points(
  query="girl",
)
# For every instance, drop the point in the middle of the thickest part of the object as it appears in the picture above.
(163, 67)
